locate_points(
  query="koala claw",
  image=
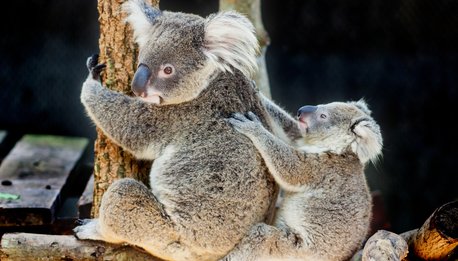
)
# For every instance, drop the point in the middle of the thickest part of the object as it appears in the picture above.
(250, 117)
(245, 124)
(82, 221)
(239, 117)
(253, 117)
(94, 68)
(88, 230)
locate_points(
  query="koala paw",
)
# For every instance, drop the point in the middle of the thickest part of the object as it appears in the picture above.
(88, 230)
(94, 68)
(245, 124)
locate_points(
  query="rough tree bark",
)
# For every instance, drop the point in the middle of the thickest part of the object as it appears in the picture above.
(119, 52)
(252, 9)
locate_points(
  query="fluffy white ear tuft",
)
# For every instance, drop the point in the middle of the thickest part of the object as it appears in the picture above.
(230, 40)
(362, 105)
(368, 144)
(140, 16)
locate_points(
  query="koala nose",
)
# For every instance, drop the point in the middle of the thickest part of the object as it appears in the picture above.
(140, 80)
(304, 110)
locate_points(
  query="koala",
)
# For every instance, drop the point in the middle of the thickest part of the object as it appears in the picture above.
(326, 210)
(209, 184)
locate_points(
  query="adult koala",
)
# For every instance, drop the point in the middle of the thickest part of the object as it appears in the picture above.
(209, 184)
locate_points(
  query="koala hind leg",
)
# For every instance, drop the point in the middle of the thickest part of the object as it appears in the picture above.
(265, 242)
(130, 213)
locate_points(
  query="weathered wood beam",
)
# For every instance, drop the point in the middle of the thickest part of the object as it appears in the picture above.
(24, 246)
(32, 177)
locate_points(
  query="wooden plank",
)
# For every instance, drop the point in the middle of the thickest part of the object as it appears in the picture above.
(32, 176)
(85, 201)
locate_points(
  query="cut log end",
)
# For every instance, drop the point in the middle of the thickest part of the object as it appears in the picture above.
(437, 238)
(446, 220)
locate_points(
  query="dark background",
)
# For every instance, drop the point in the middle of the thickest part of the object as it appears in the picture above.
(401, 56)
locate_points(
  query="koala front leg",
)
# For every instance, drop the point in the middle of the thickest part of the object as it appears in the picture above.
(265, 242)
(281, 159)
(291, 169)
(282, 119)
(127, 121)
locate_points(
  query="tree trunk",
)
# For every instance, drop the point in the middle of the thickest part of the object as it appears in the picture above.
(119, 52)
(252, 9)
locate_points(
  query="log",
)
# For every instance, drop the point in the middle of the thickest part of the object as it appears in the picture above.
(385, 245)
(24, 246)
(438, 237)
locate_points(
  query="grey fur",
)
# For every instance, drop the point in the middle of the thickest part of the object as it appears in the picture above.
(209, 183)
(326, 211)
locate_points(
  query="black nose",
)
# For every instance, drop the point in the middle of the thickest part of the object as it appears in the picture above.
(140, 80)
(306, 110)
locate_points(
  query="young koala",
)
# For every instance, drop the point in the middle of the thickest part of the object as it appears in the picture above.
(326, 210)
(209, 184)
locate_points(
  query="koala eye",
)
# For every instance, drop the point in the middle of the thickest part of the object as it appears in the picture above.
(166, 70)
(323, 116)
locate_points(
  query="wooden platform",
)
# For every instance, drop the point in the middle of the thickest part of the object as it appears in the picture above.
(33, 175)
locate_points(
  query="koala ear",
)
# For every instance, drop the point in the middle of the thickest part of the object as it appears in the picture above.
(362, 105)
(368, 144)
(230, 41)
(140, 16)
